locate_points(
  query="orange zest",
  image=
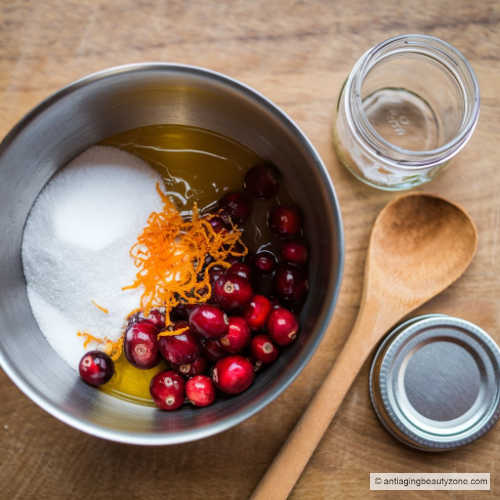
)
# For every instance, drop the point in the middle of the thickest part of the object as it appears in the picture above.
(170, 256)
(103, 309)
(112, 348)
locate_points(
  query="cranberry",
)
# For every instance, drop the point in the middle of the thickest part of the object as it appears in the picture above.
(197, 367)
(241, 270)
(265, 261)
(96, 368)
(235, 207)
(200, 390)
(263, 349)
(215, 273)
(209, 321)
(282, 326)
(232, 292)
(285, 221)
(257, 312)
(233, 374)
(140, 344)
(167, 390)
(156, 317)
(179, 349)
(217, 224)
(275, 303)
(291, 284)
(237, 336)
(213, 350)
(294, 252)
(262, 181)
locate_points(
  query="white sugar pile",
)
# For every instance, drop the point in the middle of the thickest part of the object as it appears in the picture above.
(76, 246)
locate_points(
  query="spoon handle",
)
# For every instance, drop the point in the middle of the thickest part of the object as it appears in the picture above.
(291, 460)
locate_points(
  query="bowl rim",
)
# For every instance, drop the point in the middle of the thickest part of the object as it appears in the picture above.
(184, 436)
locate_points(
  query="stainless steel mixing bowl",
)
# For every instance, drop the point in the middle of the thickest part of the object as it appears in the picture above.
(109, 102)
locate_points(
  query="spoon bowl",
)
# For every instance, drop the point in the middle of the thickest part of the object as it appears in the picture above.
(419, 245)
(415, 244)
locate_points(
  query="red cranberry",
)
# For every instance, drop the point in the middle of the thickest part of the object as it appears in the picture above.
(217, 224)
(282, 326)
(215, 273)
(275, 303)
(291, 284)
(167, 390)
(213, 350)
(96, 368)
(200, 390)
(209, 321)
(233, 374)
(232, 292)
(263, 349)
(241, 270)
(265, 261)
(285, 221)
(156, 317)
(235, 207)
(294, 252)
(179, 349)
(262, 181)
(257, 312)
(140, 344)
(237, 336)
(197, 367)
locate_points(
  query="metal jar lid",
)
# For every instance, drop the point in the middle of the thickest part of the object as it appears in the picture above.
(435, 382)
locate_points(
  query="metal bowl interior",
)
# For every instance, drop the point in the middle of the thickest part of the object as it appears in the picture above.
(109, 102)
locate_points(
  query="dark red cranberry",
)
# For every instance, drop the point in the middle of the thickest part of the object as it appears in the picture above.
(232, 292)
(265, 261)
(236, 207)
(209, 321)
(141, 345)
(257, 312)
(263, 349)
(262, 181)
(167, 390)
(285, 221)
(215, 272)
(213, 350)
(294, 252)
(282, 326)
(275, 303)
(96, 368)
(291, 284)
(241, 270)
(200, 390)
(156, 317)
(217, 224)
(197, 367)
(179, 349)
(237, 336)
(233, 374)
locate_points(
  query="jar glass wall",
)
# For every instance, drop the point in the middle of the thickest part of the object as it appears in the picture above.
(409, 105)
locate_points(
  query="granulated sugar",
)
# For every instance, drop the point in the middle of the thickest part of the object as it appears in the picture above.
(76, 245)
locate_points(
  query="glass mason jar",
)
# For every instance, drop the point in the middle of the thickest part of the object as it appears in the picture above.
(409, 105)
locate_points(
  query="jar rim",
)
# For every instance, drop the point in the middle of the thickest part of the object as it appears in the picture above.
(361, 125)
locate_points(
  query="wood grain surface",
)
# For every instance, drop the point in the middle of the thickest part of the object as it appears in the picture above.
(297, 54)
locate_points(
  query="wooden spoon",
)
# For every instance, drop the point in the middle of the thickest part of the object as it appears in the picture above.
(419, 245)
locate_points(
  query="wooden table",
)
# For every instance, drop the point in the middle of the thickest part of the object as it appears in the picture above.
(297, 54)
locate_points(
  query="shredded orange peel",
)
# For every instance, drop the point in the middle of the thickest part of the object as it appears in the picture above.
(170, 255)
(112, 348)
(103, 309)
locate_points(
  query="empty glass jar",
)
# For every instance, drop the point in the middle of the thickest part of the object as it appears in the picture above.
(409, 105)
